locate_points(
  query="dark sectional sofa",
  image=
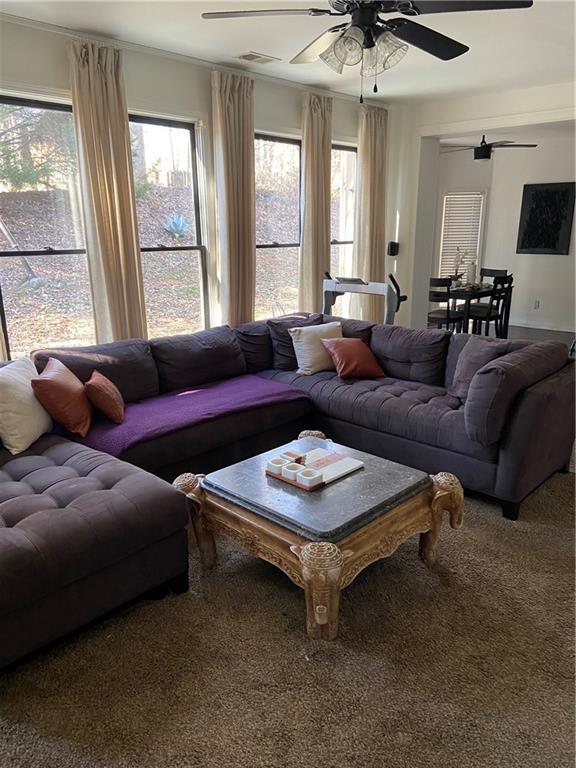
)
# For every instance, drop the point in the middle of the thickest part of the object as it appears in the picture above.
(84, 529)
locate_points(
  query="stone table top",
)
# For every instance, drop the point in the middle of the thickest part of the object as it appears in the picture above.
(328, 514)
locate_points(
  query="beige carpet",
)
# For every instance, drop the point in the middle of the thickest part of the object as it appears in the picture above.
(469, 665)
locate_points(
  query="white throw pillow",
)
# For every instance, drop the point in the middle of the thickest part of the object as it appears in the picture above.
(22, 419)
(311, 354)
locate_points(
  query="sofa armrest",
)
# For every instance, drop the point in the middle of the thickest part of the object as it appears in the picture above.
(495, 386)
(539, 435)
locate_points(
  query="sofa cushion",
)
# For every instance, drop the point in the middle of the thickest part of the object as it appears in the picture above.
(197, 358)
(458, 343)
(352, 329)
(256, 345)
(409, 409)
(173, 411)
(105, 396)
(188, 446)
(353, 359)
(284, 358)
(496, 385)
(311, 355)
(128, 364)
(22, 419)
(63, 395)
(67, 511)
(479, 351)
(411, 355)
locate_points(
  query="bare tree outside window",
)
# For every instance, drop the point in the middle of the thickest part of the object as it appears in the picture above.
(44, 278)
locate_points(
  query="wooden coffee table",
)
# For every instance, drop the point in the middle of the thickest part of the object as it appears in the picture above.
(321, 540)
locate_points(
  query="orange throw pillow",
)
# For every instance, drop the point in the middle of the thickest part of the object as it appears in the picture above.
(105, 395)
(353, 359)
(62, 395)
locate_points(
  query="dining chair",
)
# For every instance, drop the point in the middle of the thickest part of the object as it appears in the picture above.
(496, 311)
(488, 272)
(439, 293)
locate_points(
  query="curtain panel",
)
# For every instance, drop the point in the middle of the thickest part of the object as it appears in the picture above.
(369, 256)
(315, 230)
(105, 161)
(233, 131)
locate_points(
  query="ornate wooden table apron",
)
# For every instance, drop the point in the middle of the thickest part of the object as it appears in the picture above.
(321, 540)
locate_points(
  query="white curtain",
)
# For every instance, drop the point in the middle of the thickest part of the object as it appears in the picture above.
(369, 257)
(233, 130)
(315, 237)
(103, 137)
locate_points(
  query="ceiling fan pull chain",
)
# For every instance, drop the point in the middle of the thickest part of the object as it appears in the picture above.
(375, 89)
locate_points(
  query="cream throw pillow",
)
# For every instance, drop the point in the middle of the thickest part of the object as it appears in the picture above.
(22, 419)
(311, 354)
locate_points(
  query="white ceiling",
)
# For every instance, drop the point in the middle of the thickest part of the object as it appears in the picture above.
(525, 134)
(509, 49)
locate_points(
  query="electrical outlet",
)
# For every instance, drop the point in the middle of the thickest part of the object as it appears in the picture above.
(536, 303)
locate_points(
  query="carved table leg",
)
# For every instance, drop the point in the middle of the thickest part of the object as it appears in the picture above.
(447, 496)
(191, 485)
(321, 571)
(312, 433)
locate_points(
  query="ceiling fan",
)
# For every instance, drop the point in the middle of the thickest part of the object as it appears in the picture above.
(376, 43)
(484, 150)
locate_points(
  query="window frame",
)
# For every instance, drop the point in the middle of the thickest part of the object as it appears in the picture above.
(345, 148)
(48, 250)
(296, 143)
(200, 245)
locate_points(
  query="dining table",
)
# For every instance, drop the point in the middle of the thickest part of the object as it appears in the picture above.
(468, 293)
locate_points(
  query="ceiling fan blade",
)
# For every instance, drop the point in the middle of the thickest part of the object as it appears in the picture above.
(455, 6)
(500, 143)
(275, 12)
(426, 39)
(452, 148)
(316, 47)
(513, 146)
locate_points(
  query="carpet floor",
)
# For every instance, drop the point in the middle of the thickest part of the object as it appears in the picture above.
(466, 665)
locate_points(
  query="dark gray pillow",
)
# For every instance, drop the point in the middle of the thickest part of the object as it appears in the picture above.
(256, 344)
(128, 364)
(197, 358)
(494, 388)
(283, 356)
(352, 329)
(478, 351)
(412, 355)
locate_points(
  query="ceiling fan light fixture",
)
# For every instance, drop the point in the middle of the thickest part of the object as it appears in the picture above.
(349, 46)
(331, 60)
(387, 52)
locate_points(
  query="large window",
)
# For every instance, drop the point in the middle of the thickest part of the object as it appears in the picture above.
(277, 225)
(342, 203)
(460, 240)
(167, 205)
(45, 297)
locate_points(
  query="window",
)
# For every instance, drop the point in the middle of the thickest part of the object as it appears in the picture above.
(343, 199)
(173, 256)
(45, 297)
(461, 231)
(277, 169)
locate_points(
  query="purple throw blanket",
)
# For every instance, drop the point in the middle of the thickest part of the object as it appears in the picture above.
(184, 408)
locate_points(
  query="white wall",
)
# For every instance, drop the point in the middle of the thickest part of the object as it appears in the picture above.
(548, 279)
(409, 122)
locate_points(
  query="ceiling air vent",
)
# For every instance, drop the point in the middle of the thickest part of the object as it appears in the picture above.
(257, 58)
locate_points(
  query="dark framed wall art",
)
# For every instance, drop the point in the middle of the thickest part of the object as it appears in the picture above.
(546, 218)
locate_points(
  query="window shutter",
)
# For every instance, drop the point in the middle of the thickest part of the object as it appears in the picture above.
(461, 229)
